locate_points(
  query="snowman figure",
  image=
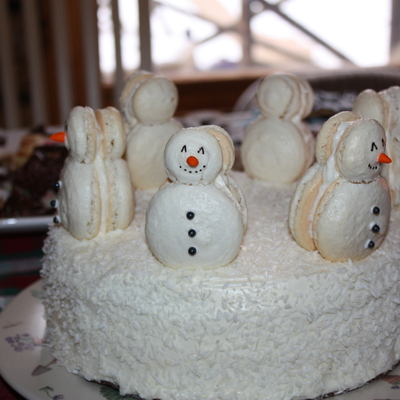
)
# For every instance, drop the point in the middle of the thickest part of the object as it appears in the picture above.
(148, 103)
(198, 218)
(95, 191)
(341, 206)
(385, 108)
(278, 146)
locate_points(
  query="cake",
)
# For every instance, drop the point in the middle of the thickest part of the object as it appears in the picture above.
(274, 320)
(279, 322)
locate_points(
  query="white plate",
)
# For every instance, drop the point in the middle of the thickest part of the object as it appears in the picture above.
(25, 224)
(31, 370)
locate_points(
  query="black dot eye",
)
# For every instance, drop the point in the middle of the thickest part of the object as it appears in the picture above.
(184, 149)
(383, 142)
(57, 186)
(190, 215)
(374, 146)
(192, 251)
(371, 244)
(376, 210)
(376, 228)
(192, 233)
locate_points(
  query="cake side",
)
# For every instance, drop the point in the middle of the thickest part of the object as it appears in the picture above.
(278, 320)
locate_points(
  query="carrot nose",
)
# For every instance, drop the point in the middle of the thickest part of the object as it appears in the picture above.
(383, 158)
(192, 161)
(58, 137)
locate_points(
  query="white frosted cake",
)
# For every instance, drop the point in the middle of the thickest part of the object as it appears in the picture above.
(278, 322)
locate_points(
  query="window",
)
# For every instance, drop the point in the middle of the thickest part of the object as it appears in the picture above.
(204, 35)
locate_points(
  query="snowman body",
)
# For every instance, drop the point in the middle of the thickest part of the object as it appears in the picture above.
(79, 200)
(144, 152)
(202, 229)
(357, 217)
(276, 152)
(278, 146)
(197, 219)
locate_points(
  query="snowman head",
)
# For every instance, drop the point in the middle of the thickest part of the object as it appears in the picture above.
(130, 87)
(198, 155)
(113, 137)
(361, 151)
(80, 136)
(285, 96)
(370, 104)
(148, 99)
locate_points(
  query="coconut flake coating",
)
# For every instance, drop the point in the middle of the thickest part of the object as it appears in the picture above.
(279, 322)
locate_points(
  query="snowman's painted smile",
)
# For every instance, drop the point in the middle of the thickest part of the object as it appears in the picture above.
(191, 171)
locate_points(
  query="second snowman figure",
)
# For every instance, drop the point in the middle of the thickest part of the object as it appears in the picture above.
(198, 218)
(341, 206)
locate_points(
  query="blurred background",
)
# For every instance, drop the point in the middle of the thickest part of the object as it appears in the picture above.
(55, 54)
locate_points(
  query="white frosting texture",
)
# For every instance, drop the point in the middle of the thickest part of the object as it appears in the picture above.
(279, 322)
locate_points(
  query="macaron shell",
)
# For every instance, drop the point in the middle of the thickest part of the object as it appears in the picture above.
(79, 199)
(370, 104)
(273, 150)
(274, 96)
(226, 144)
(307, 97)
(343, 219)
(130, 87)
(155, 100)
(121, 202)
(392, 127)
(302, 206)
(81, 138)
(145, 153)
(353, 154)
(113, 133)
(323, 145)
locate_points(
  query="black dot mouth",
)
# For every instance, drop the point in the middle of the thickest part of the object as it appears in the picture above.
(191, 171)
(373, 167)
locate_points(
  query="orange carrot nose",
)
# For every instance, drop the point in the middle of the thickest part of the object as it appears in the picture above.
(192, 161)
(58, 137)
(384, 159)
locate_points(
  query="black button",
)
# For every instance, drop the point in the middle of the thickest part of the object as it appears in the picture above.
(192, 251)
(190, 215)
(56, 220)
(192, 233)
(371, 245)
(375, 228)
(53, 203)
(376, 210)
